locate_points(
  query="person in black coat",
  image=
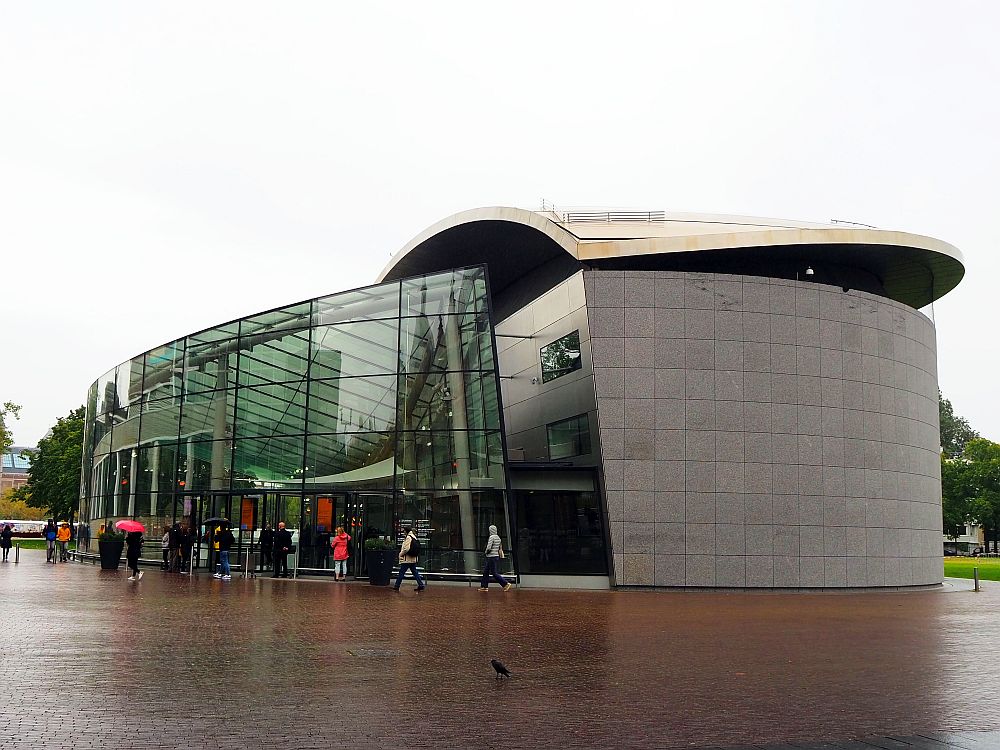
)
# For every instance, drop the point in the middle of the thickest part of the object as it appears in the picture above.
(5, 537)
(282, 546)
(187, 542)
(267, 545)
(174, 542)
(133, 548)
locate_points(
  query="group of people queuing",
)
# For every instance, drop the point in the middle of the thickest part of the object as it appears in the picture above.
(276, 545)
(177, 541)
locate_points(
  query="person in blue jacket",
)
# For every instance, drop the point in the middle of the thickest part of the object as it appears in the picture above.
(49, 534)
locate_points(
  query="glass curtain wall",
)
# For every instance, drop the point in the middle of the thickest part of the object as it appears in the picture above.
(386, 392)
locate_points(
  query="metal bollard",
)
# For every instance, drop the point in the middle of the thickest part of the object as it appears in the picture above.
(975, 576)
(17, 553)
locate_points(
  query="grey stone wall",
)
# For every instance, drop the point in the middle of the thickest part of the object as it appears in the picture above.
(764, 433)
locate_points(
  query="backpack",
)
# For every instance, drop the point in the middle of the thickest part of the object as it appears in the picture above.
(414, 550)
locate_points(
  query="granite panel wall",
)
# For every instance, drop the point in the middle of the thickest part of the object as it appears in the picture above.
(776, 433)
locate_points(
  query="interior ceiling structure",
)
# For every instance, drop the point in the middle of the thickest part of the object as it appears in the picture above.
(909, 268)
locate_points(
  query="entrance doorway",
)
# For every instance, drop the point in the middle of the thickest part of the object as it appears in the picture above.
(361, 514)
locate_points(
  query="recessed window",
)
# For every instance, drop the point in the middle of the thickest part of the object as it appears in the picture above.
(561, 357)
(569, 437)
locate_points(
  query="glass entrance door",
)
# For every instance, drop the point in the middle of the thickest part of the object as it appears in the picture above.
(321, 514)
(370, 514)
(272, 509)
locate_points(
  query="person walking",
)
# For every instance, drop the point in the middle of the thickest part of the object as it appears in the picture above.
(267, 545)
(282, 546)
(133, 548)
(174, 548)
(5, 540)
(225, 539)
(49, 535)
(409, 553)
(165, 548)
(187, 542)
(340, 554)
(494, 552)
(83, 538)
(63, 535)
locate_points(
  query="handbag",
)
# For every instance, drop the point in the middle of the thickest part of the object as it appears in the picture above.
(500, 549)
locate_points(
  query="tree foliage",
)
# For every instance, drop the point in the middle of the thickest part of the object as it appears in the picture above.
(970, 488)
(955, 496)
(13, 509)
(955, 430)
(54, 476)
(6, 436)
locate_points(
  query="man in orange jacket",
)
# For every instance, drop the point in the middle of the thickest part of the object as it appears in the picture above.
(62, 537)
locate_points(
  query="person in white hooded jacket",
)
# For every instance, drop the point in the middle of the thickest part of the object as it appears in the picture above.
(494, 551)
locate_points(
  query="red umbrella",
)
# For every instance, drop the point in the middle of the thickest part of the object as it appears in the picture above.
(127, 525)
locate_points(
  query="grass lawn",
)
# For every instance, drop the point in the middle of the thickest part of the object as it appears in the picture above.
(40, 544)
(961, 567)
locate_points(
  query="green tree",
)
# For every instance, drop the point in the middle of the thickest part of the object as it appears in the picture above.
(6, 436)
(955, 430)
(956, 496)
(54, 476)
(981, 486)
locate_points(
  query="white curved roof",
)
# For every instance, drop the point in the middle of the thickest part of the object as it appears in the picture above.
(913, 268)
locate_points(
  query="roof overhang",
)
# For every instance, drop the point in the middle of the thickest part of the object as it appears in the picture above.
(913, 269)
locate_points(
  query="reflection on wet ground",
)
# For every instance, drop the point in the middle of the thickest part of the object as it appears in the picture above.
(176, 662)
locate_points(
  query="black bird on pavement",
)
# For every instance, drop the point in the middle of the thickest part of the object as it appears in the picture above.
(500, 668)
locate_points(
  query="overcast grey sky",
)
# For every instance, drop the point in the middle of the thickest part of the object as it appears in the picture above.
(167, 166)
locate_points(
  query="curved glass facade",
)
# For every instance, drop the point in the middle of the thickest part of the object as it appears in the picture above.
(372, 409)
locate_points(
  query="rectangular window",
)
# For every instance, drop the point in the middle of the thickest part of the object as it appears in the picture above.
(570, 437)
(560, 357)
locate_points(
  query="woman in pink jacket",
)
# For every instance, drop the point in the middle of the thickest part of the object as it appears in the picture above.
(340, 554)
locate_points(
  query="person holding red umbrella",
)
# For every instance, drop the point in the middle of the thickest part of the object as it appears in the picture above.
(133, 548)
(133, 545)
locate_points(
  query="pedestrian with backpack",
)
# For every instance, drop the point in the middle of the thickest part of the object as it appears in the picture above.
(409, 553)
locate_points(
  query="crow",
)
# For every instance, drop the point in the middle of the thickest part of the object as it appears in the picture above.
(500, 668)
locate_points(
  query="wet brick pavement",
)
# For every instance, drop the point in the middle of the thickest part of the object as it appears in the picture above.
(92, 660)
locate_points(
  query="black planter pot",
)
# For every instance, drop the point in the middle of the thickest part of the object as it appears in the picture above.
(380, 562)
(111, 554)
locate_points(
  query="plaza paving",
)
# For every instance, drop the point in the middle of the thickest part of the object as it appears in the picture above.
(92, 660)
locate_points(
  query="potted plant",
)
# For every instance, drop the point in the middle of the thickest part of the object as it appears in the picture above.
(380, 556)
(111, 542)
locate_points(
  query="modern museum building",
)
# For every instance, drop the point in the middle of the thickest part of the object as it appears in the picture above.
(635, 399)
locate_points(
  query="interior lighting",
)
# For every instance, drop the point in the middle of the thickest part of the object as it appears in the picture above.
(809, 271)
